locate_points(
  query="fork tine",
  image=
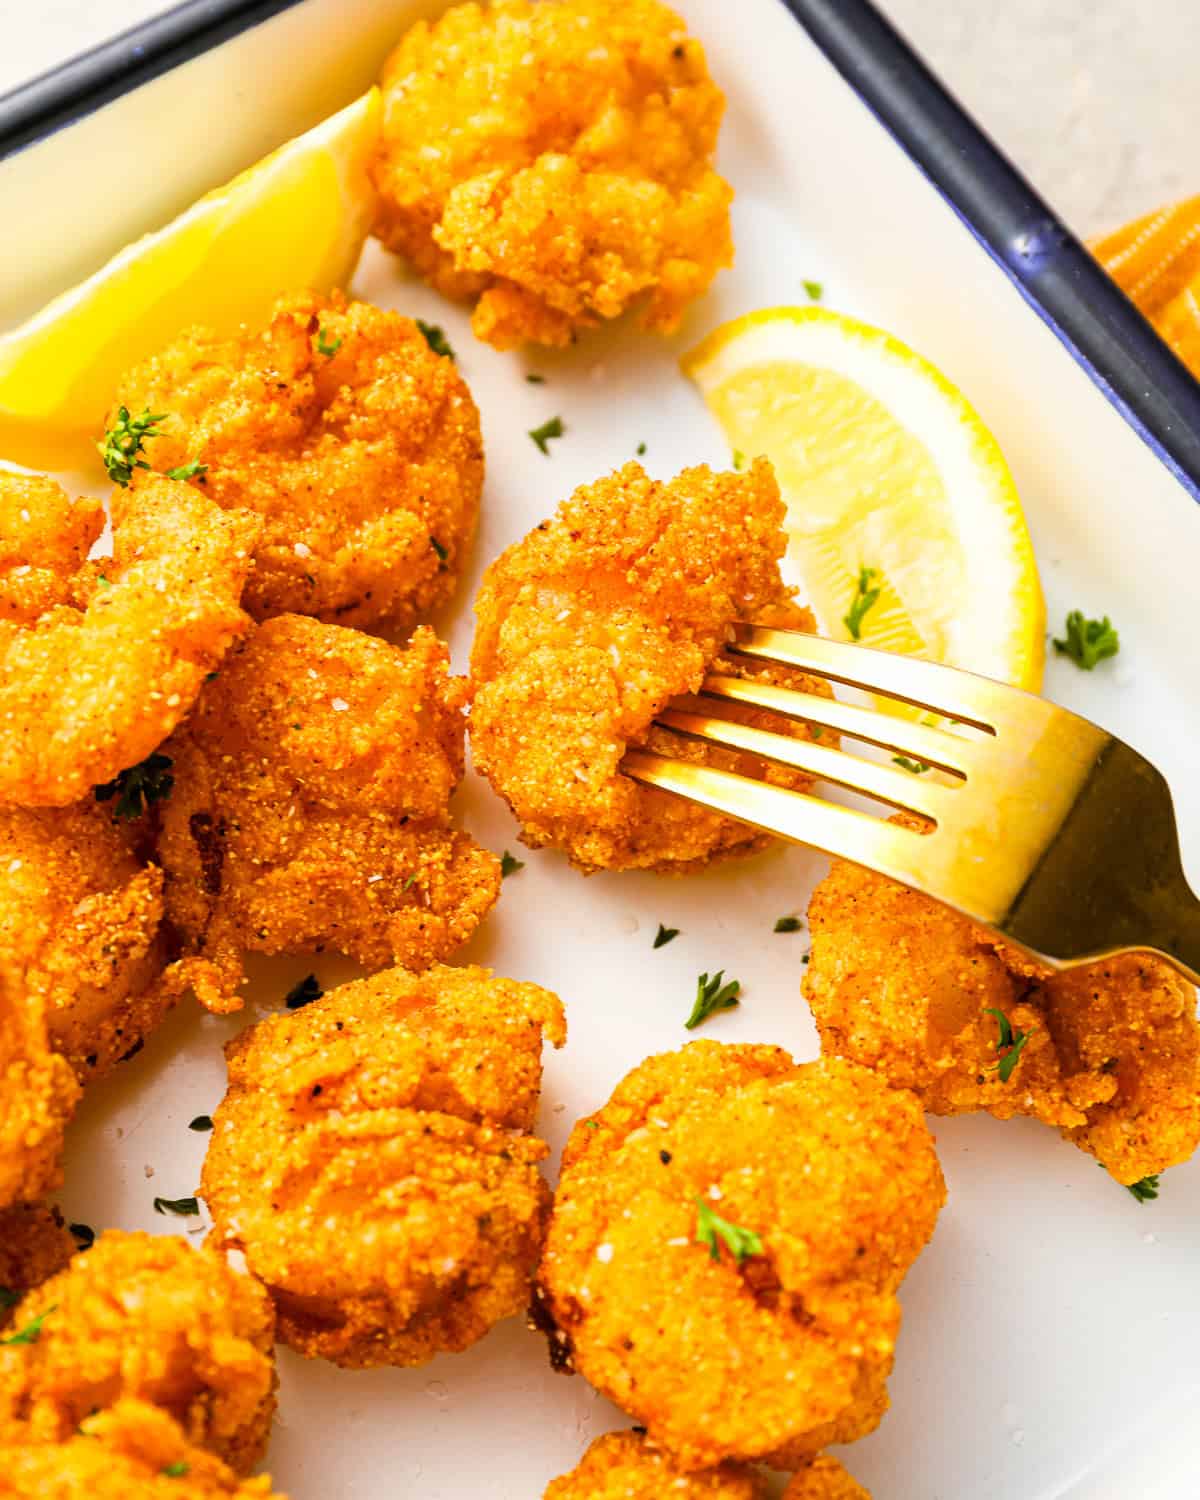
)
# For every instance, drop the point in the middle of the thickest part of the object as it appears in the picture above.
(944, 691)
(900, 789)
(948, 752)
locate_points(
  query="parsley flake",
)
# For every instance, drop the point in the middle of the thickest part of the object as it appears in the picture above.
(865, 595)
(138, 786)
(32, 1330)
(193, 470)
(178, 1469)
(535, 379)
(1145, 1190)
(8, 1298)
(328, 346)
(201, 1123)
(1088, 641)
(641, 448)
(711, 996)
(436, 339)
(304, 993)
(184, 1207)
(917, 767)
(510, 864)
(711, 1227)
(125, 442)
(814, 289)
(410, 882)
(439, 549)
(664, 935)
(739, 459)
(84, 1233)
(541, 435)
(788, 924)
(1009, 1044)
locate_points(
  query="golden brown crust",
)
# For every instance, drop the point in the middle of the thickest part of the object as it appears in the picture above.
(590, 624)
(38, 1094)
(361, 463)
(105, 672)
(824, 1479)
(372, 1162)
(554, 162)
(80, 924)
(623, 1466)
(149, 1317)
(837, 1174)
(35, 1244)
(905, 986)
(133, 1451)
(310, 808)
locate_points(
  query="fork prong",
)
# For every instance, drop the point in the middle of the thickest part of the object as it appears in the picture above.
(948, 752)
(900, 789)
(944, 691)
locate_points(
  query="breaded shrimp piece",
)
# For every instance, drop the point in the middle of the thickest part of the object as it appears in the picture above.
(824, 1479)
(105, 672)
(38, 1094)
(35, 1244)
(44, 541)
(623, 1466)
(372, 1161)
(553, 163)
(357, 446)
(910, 988)
(131, 1451)
(149, 1317)
(833, 1178)
(310, 803)
(80, 924)
(590, 624)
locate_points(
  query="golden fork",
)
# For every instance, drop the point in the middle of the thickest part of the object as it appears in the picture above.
(1055, 834)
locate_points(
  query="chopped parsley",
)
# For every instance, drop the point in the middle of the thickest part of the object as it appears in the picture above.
(436, 339)
(178, 1469)
(84, 1233)
(814, 289)
(1088, 641)
(201, 1123)
(410, 882)
(32, 1330)
(1009, 1044)
(711, 1227)
(193, 470)
(788, 924)
(138, 786)
(917, 767)
(664, 935)
(541, 435)
(535, 379)
(510, 864)
(8, 1298)
(125, 442)
(711, 996)
(866, 594)
(304, 993)
(1145, 1190)
(739, 459)
(184, 1207)
(815, 731)
(439, 549)
(641, 448)
(329, 347)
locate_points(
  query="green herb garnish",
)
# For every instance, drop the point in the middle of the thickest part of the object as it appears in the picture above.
(330, 346)
(184, 1207)
(200, 1123)
(541, 435)
(8, 1298)
(664, 935)
(304, 993)
(178, 1469)
(711, 1227)
(510, 864)
(1145, 1190)
(814, 289)
(193, 470)
(138, 786)
(84, 1233)
(739, 459)
(536, 379)
(641, 448)
(439, 549)
(917, 767)
(32, 1330)
(1009, 1044)
(711, 996)
(436, 339)
(788, 924)
(1088, 641)
(865, 596)
(124, 443)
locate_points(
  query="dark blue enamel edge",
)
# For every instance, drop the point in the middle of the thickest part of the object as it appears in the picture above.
(1102, 329)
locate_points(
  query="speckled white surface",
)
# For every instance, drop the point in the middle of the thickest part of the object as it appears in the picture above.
(1095, 99)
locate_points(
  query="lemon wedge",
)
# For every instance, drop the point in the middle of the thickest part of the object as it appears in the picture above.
(884, 465)
(296, 220)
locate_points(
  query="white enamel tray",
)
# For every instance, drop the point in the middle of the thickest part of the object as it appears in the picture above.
(1050, 1334)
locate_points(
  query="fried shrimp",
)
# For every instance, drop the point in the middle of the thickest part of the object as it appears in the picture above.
(80, 919)
(372, 1161)
(623, 1466)
(149, 1317)
(824, 1479)
(727, 1240)
(132, 1451)
(553, 163)
(38, 1094)
(355, 443)
(590, 624)
(310, 808)
(1109, 1054)
(34, 1245)
(93, 682)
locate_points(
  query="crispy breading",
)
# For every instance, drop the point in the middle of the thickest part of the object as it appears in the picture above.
(38, 1094)
(372, 1161)
(907, 987)
(623, 1466)
(105, 672)
(591, 623)
(35, 1244)
(553, 163)
(80, 924)
(824, 1479)
(150, 1317)
(772, 1359)
(365, 463)
(310, 804)
(132, 1451)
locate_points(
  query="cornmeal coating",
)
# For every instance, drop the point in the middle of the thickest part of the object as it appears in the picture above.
(150, 1317)
(364, 463)
(623, 1466)
(100, 661)
(132, 1451)
(906, 986)
(80, 924)
(310, 808)
(789, 1351)
(553, 163)
(35, 1243)
(824, 1479)
(591, 623)
(38, 1094)
(372, 1161)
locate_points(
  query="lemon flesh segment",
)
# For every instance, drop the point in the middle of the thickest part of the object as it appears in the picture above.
(883, 464)
(294, 221)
